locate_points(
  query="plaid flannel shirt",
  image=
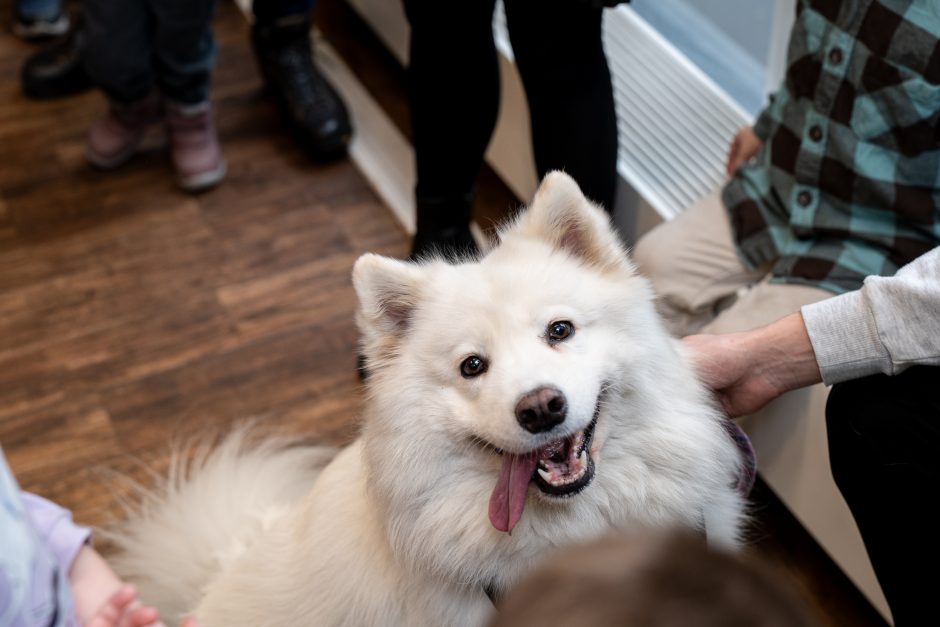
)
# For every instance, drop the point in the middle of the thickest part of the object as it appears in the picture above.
(847, 183)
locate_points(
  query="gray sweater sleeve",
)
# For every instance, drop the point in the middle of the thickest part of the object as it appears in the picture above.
(891, 323)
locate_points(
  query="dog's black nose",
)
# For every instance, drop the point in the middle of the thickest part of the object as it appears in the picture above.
(541, 409)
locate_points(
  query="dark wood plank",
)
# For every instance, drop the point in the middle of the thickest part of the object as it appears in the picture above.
(132, 314)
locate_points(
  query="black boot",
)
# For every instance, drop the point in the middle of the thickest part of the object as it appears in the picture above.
(443, 227)
(308, 103)
(56, 70)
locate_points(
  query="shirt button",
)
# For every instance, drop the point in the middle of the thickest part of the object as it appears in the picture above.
(835, 56)
(804, 198)
(815, 133)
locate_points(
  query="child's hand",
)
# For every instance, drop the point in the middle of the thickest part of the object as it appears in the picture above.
(124, 610)
(103, 600)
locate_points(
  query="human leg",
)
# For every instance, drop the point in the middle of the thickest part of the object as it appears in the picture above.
(762, 303)
(270, 12)
(183, 55)
(692, 264)
(117, 56)
(454, 94)
(884, 450)
(559, 52)
(183, 48)
(117, 48)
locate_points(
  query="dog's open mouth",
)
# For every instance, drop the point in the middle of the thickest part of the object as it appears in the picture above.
(561, 468)
(565, 466)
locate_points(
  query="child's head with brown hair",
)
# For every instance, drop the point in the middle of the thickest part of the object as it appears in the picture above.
(656, 580)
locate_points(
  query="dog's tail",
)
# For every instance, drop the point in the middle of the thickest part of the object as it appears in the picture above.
(213, 504)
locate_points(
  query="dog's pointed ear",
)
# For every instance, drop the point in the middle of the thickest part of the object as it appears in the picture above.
(388, 291)
(562, 216)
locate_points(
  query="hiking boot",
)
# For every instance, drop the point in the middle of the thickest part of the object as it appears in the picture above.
(35, 28)
(115, 136)
(443, 228)
(194, 146)
(56, 70)
(310, 106)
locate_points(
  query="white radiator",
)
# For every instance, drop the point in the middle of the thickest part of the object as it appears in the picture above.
(675, 123)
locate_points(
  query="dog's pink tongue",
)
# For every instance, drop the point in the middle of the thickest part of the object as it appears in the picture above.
(508, 498)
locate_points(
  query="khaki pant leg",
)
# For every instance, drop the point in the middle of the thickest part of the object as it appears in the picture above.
(762, 304)
(692, 263)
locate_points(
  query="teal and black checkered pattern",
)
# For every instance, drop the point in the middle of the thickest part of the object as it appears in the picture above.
(848, 181)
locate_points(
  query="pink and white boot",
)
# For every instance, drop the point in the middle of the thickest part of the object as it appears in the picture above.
(194, 146)
(115, 137)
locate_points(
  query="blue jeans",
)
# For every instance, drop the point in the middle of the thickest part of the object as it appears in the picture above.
(39, 9)
(132, 46)
(267, 12)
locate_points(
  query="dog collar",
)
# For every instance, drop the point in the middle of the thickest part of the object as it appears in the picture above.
(748, 472)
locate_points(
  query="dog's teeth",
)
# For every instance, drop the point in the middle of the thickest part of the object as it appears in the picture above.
(544, 474)
(582, 458)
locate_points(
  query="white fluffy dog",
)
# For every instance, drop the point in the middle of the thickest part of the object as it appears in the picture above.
(515, 403)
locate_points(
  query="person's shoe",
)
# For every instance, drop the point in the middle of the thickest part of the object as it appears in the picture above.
(443, 228)
(56, 70)
(194, 146)
(309, 104)
(33, 28)
(453, 241)
(115, 136)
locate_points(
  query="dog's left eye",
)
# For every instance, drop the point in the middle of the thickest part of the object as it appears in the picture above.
(560, 330)
(473, 366)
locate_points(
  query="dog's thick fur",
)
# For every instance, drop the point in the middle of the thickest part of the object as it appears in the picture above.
(394, 530)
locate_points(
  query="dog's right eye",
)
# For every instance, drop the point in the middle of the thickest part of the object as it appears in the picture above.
(559, 331)
(472, 366)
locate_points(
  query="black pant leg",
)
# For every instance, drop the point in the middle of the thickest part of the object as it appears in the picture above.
(560, 56)
(268, 12)
(184, 48)
(117, 48)
(884, 448)
(453, 78)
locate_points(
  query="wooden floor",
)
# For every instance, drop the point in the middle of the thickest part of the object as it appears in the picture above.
(132, 314)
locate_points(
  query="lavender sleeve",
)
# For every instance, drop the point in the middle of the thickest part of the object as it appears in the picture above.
(54, 526)
(38, 543)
